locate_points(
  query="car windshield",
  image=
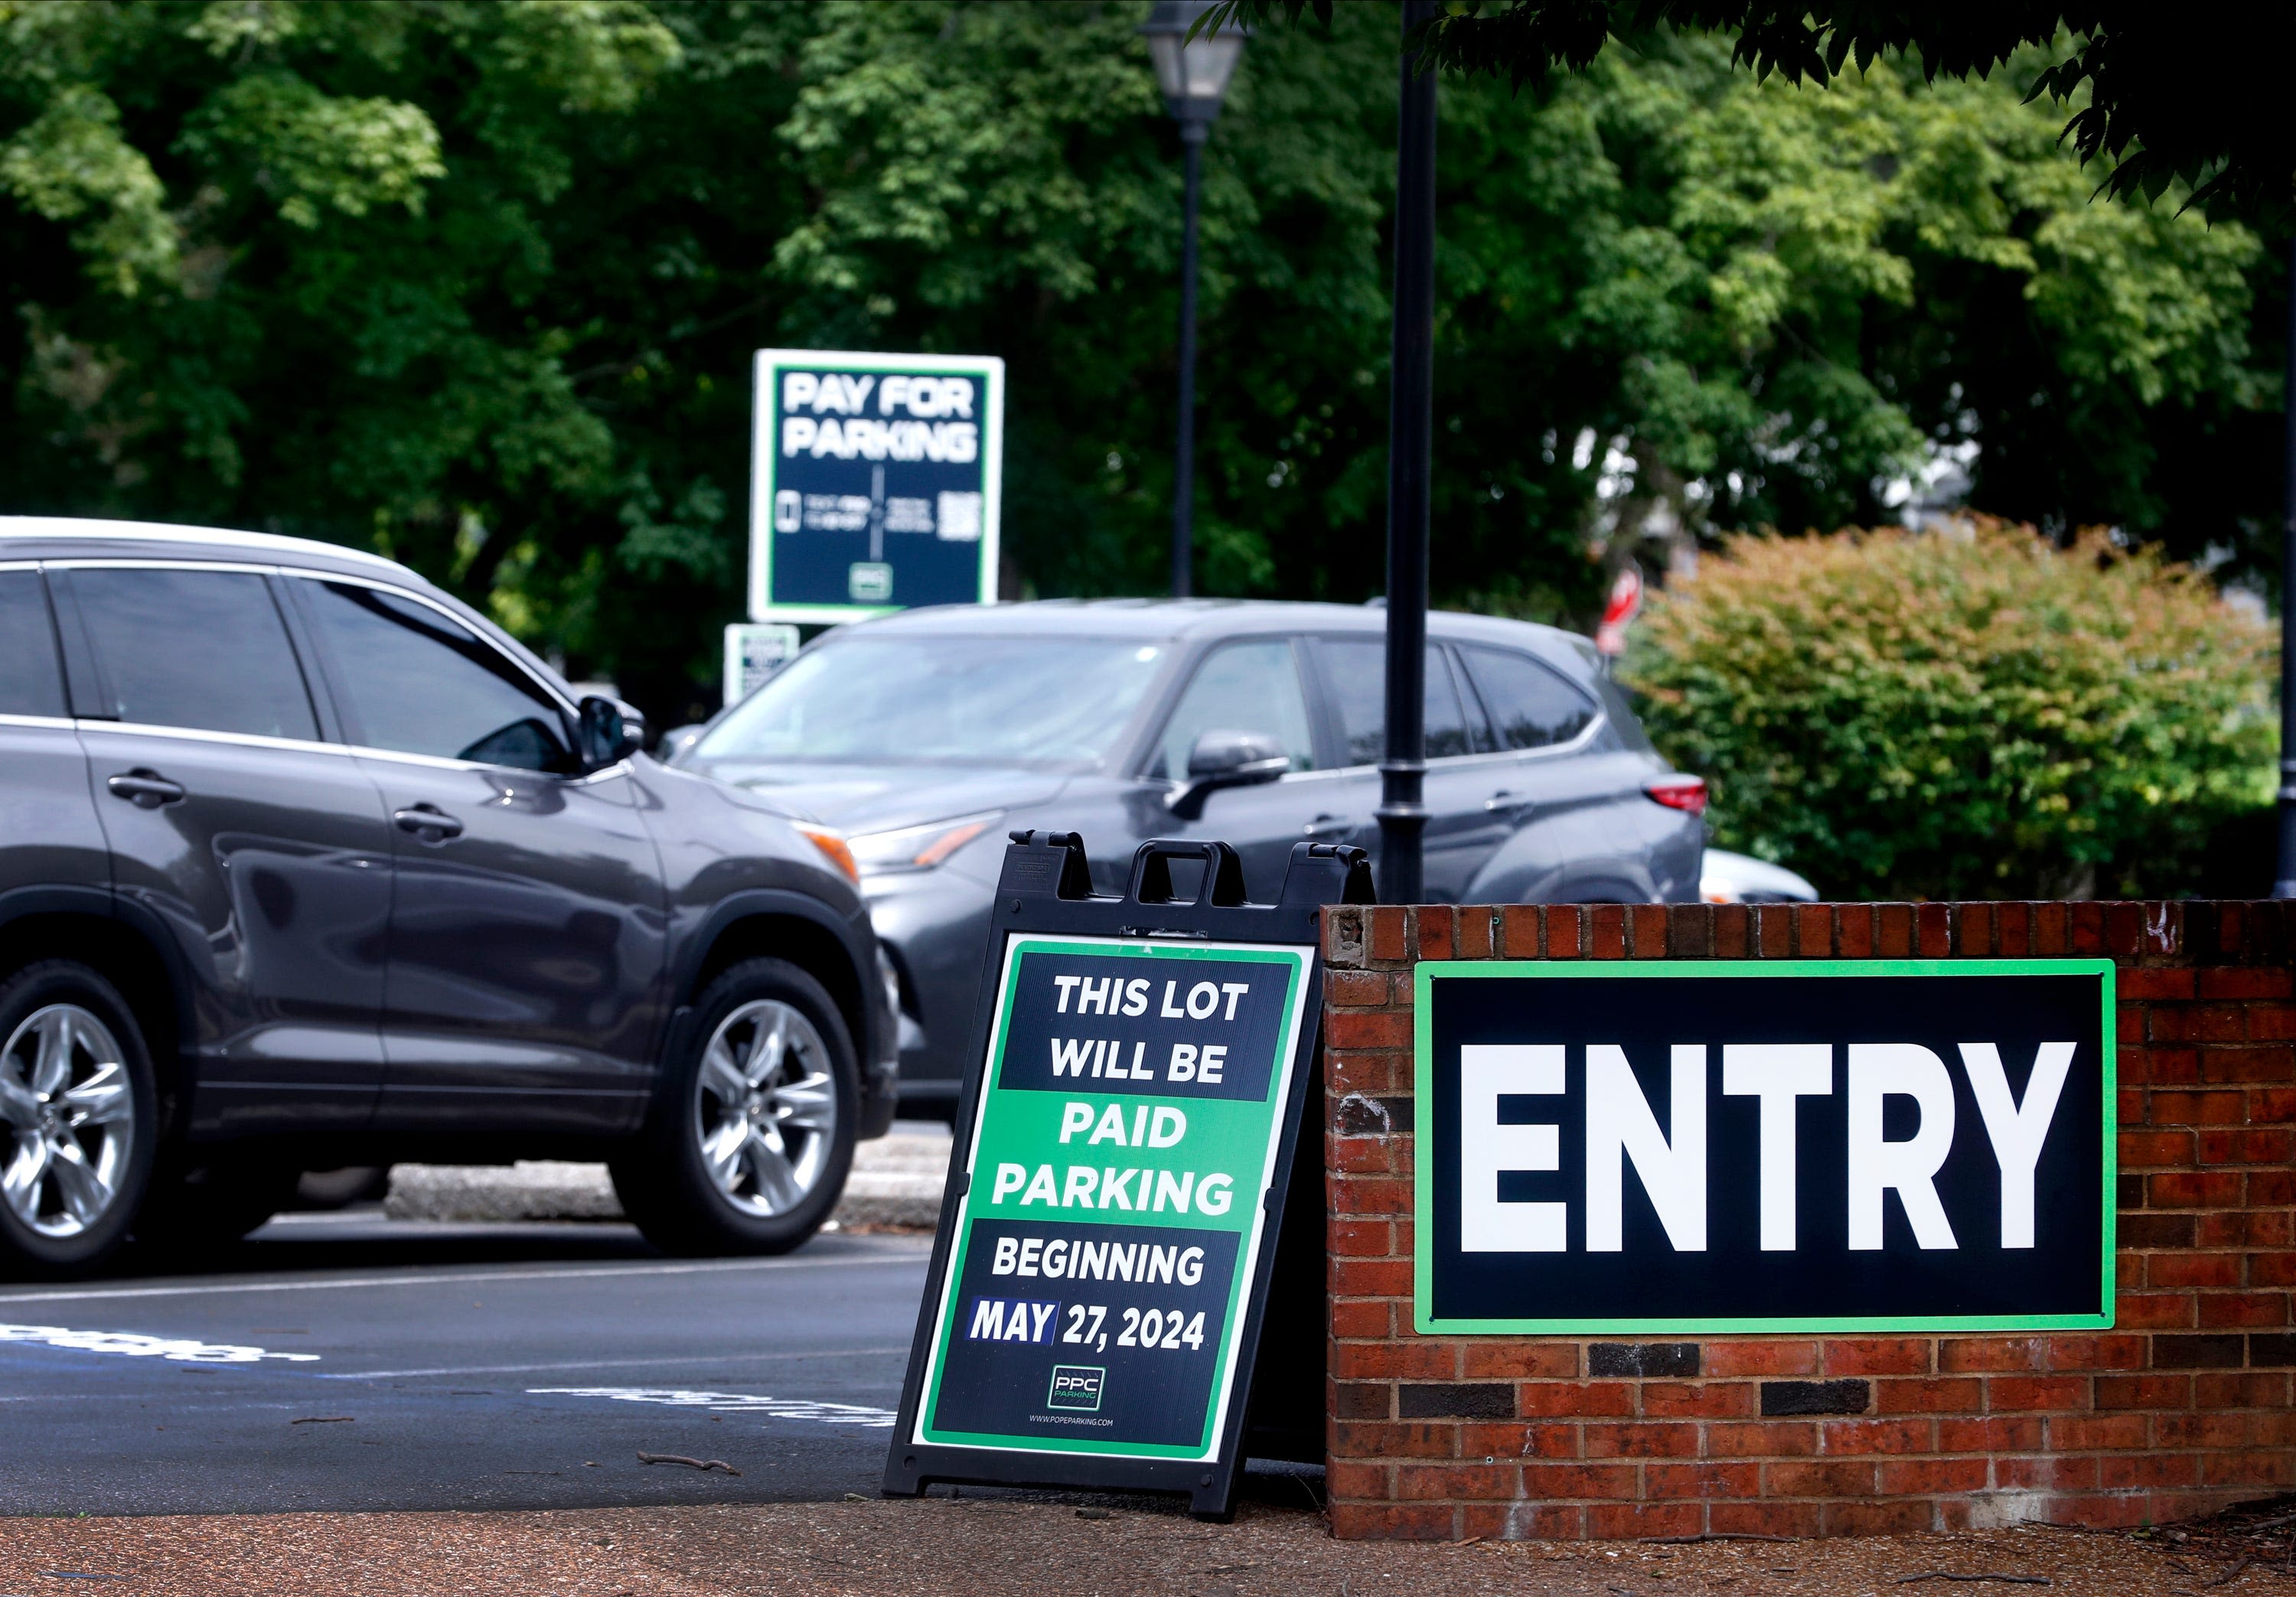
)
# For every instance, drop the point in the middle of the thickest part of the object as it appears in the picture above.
(1056, 701)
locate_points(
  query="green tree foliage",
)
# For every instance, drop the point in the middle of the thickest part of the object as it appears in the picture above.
(475, 284)
(1966, 715)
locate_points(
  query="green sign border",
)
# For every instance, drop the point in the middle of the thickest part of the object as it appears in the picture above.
(1300, 957)
(764, 468)
(1428, 973)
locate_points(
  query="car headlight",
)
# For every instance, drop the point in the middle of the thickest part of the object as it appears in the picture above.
(917, 847)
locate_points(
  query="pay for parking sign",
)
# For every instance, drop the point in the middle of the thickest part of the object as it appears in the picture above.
(1772, 1145)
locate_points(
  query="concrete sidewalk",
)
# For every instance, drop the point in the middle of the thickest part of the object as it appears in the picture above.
(986, 1546)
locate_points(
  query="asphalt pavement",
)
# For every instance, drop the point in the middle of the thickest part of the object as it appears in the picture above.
(348, 1362)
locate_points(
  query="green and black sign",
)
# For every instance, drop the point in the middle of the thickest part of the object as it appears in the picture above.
(1718, 1147)
(1105, 1246)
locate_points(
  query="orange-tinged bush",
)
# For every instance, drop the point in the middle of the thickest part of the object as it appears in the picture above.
(1961, 714)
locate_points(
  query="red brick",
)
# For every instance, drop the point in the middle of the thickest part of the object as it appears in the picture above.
(1358, 1156)
(1850, 1437)
(1762, 1358)
(1449, 1482)
(1356, 987)
(1392, 1521)
(1893, 935)
(1687, 931)
(1385, 925)
(2263, 982)
(1473, 933)
(2148, 1470)
(1374, 1074)
(1983, 1355)
(2076, 1352)
(1372, 1278)
(1361, 1317)
(1733, 931)
(1933, 931)
(1895, 1356)
(1646, 934)
(2201, 1430)
(2012, 929)
(1929, 1395)
(1603, 1399)
(1999, 1433)
(1877, 1518)
(2222, 1108)
(2049, 928)
(2157, 1150)
(1523, 1521)
(2260, 1064)
(1370, 1195)
(2093, 1433)
(2271, 1269)
(1355, 1438)
(1620, 1521)
(1641, 1439)
(2270, 1188)
(1565, 933)
(1796, 1520)
(1518, 925)
(1820, 1478)
(1553, 1481)
(2153, 983)
(1606, 930)
(1519, 1361)
(1513, 1439)
(2045, 1474)
(1407, 1359)
(1853, 927)
(1973, 927)
(2192, 1270)
(2247, 1310)
(1433, 922)
(2207, 1189)
(2159, 1067)
(2153, 1311)
(1914, 1477)
(1360, 1028)
(1698, 1400)
(1701, 1480)
(2124, 930)
(1772, 1439)
(2271, 1023)
(1344, 1478)
(2087, 931)
(2018, 1392)
(1813, 924)
(1774, 930)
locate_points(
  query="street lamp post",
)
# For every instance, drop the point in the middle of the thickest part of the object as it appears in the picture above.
(1410, 450)
(1194, 75)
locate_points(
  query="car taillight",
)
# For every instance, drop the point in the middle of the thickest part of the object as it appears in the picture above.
(1685, 793)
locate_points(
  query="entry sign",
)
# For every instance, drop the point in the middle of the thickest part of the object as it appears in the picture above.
(1764, 1145)
(1105, 1247)
(875, 482)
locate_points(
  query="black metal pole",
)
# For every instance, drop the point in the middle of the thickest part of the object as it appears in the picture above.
(2283, 885)
(1192, 134)
(1410, 445)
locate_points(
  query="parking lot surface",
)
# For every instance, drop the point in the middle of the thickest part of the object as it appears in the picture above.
(349, 1363)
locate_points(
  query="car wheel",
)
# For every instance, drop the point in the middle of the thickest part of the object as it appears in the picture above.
(752, 1129)
(80, 1114)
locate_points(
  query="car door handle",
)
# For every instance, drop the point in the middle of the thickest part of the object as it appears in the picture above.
(1504, 802)
(1327, 826)
(429, 824)
(146, 789)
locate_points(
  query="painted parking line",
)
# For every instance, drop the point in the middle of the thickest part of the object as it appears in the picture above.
(178, 1350)
(656, 1361)
(912, 1260)
(734, 1403)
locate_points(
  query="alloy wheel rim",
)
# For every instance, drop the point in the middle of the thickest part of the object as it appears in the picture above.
(765, 1108)
(69, 1117)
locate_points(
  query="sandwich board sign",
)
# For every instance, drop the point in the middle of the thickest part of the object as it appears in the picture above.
(1710, 1148)
(875, 483)
(1123, 1151)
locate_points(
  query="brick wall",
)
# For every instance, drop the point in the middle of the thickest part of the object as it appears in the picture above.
(2183, 1408)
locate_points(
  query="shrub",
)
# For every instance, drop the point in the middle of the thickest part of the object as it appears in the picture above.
(1962, 714)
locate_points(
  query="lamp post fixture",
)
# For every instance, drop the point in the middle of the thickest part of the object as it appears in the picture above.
(1194, 75)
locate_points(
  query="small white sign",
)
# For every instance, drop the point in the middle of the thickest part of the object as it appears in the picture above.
(755, 651)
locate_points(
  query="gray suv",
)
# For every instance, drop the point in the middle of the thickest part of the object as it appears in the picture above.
(304, 865)
(928, 736)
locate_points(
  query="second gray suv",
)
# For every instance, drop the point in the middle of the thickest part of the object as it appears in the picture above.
(928, 736)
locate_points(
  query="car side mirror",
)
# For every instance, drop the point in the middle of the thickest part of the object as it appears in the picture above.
(610, 732)
(1224, 759)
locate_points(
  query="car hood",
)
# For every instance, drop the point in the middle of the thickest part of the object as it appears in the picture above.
(859, 798)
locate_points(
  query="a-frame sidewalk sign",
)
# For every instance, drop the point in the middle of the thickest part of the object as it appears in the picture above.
(1124, 1150)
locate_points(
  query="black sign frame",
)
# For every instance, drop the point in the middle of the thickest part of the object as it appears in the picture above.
(1045, 889)
(1437, 1312)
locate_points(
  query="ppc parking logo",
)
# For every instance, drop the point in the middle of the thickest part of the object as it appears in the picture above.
(1077, 1386)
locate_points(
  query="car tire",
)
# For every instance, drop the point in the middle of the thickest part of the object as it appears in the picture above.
(749, 1139)
(197, 1208)
(79, 1119)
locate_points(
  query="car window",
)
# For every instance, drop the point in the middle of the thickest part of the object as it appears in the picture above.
(1533, 707)
(419, 683)
(31, 683)
(1355, 671)
(1240, 687)
(197, 649)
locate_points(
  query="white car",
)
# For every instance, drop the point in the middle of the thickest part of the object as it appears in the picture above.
(1727, 878)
